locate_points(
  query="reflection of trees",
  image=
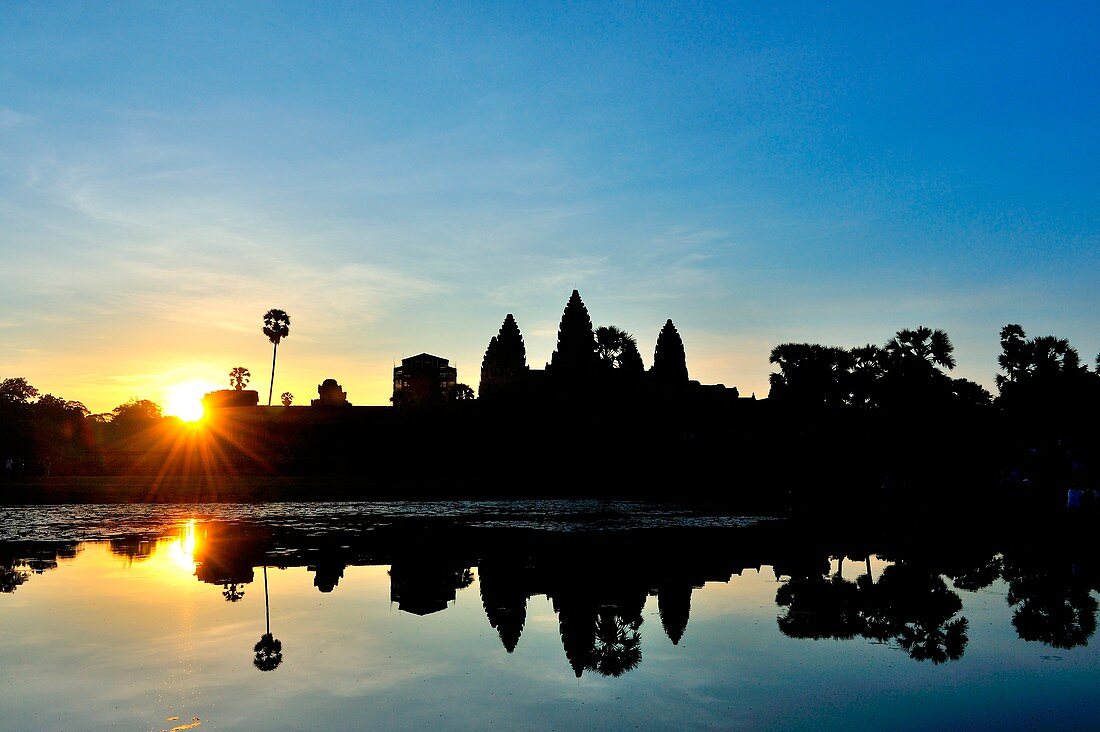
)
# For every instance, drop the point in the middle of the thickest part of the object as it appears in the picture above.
(976, 575)
(819, 608)
(1053, 604)
(11, 577)
(909, 605)
(133, 548)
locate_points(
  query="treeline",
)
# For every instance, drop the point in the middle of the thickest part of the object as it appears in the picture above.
(43, 433)
(893, 418)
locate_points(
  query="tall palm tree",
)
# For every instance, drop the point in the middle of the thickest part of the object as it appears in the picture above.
(269, 649)
(276, 328)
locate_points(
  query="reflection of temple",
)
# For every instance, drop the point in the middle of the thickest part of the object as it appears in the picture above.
(598, 582)
(424, 587)
(423, 378)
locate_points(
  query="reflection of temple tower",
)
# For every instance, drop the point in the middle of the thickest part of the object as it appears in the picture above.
(505, 602)
(674, 607)
(577, 623)
(328, 575)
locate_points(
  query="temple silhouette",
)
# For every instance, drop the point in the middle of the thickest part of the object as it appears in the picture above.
(870, 428)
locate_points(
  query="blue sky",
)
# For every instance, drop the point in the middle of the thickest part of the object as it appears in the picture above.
(399, 177)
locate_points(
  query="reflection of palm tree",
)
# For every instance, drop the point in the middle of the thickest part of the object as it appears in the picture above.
(276, 328)
(268, 650)
(618, 647)
(929, 640)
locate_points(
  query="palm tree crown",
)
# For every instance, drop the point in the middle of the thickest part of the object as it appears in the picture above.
(276, 328)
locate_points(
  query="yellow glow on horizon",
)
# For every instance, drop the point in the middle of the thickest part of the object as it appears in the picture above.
(184, 400)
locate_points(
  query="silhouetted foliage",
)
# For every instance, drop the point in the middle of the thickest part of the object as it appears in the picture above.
(268, 653)
(17, 391)
(11, 578)
(617, 646)
(460, 393)
(618, 350)
(810, 375)
(1053, 605)
(136, 411)
(911, 606)
(286, 398)
(1040, 374)
(239, 377)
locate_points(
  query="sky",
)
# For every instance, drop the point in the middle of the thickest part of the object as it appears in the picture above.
(400, 176)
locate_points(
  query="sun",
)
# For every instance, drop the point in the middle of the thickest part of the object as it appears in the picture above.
(184, 400)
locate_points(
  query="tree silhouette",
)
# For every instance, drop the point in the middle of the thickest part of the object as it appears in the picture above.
(921, 349)
(810, 374)
(239, 377)
(286, 398)
(866, 373)
(460, 393)
(269, 649)
(1041, 375)
(1037, 359)
(136, 411)
(17, 390)
(575, 354)
(618, 350)
(276, 328)
(669, 359)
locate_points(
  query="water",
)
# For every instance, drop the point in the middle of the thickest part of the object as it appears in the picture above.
(542, 615)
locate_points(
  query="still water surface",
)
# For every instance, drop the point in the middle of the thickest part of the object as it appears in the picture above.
(534, 616)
